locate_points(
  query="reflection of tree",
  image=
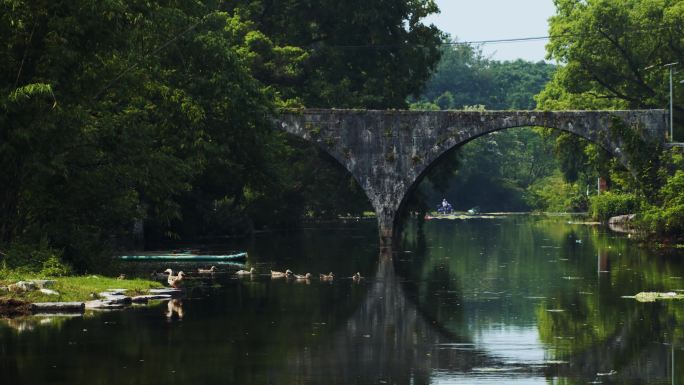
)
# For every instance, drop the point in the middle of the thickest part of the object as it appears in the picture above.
(598, 331)
(580, 270)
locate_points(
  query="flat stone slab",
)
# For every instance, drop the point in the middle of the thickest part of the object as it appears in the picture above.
(44, 283)
(57, 307)
(111, 294)
(116, 291)
(169, 291)
(52, 315)
(103, 304)
(150, 297)
(622, 219)
(22, 286)
(48, 291)
(116, 299)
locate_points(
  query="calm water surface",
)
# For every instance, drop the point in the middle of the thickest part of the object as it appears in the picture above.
(516, 300)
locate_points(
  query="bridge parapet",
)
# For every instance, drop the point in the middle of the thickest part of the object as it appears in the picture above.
(389, 151)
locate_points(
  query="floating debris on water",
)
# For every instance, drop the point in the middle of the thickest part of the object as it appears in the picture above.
(456, 346)
(572, 278)
(611, 373)
(555, 310)
(591, 223)
(651, 296)
(497, 370)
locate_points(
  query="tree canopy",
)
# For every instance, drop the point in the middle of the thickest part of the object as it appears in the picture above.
(612, 52)
(146, 112)
(613, 55)
(364, 54)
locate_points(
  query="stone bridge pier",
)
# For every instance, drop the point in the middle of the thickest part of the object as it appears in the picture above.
(389, 152)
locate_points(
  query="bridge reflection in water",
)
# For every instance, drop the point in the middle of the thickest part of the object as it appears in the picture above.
(390, 340)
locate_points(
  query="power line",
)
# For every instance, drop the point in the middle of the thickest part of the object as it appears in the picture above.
(501, 41)
(512, 40)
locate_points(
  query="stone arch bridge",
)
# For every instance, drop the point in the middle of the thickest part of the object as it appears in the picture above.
(389, 151)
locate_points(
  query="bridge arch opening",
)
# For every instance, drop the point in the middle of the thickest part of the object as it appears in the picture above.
(501, 170)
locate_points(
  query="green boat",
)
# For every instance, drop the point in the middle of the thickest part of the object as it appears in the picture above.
(185, 257)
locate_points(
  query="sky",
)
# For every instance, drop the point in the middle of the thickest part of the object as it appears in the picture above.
(476, 20)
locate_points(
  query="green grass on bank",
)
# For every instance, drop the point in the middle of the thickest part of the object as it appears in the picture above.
(77, 288)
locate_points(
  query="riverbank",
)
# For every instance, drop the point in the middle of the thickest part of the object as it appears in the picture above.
(16, 292)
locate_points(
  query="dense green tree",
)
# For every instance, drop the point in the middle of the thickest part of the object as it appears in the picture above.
(463, 73)
(464, 77)
(366, 54)
(612, 55)
(613, 49)
(101, 127)
(117, 113)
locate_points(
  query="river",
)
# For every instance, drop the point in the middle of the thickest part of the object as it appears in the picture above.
(504, 300)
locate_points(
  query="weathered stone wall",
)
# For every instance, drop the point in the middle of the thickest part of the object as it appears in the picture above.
(389, 151)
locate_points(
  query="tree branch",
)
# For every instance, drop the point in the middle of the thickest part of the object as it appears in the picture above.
(23, 59)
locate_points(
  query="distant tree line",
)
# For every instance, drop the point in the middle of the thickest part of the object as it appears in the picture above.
(503, 171)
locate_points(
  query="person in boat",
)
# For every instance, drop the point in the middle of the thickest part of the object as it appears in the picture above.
(445, 208)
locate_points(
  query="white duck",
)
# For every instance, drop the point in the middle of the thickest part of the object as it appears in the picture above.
(245, 272)
(357, 277)
(207, 271)
(174, 281)
(300, 277)
(280, 274)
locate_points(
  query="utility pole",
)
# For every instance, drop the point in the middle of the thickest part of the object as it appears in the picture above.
(671, 67)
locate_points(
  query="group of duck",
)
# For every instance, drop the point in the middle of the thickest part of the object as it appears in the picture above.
(176, 280)
(300, 277)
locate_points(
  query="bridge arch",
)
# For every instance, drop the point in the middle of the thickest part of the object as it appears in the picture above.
(387, 152)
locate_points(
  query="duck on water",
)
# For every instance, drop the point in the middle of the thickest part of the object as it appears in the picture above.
(174, 281)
